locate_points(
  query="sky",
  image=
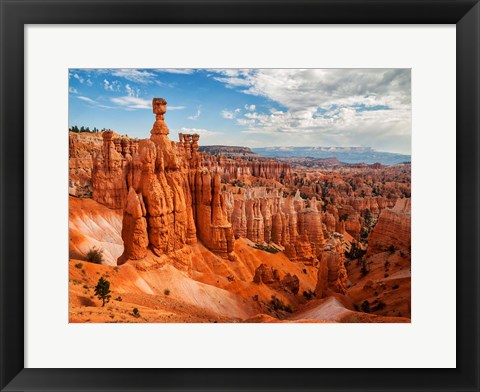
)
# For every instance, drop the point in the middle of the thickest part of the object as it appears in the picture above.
(251, 107)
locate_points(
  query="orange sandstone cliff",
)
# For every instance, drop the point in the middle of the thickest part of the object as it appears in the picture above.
(174, 199)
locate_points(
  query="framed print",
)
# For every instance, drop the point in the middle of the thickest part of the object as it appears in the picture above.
(239, 196)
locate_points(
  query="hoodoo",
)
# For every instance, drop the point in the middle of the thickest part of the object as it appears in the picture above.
(174, 199)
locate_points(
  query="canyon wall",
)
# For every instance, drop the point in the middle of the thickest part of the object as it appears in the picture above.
(82, 148)
(393, 229)
(233, 169)
(116, 168)
(267, 217)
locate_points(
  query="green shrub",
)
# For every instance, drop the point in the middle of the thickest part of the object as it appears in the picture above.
(119, 299)
(136, 313)
(309, 294)
(166, 292)
(95, 256)
(366, 306)
(355, 251)
(364, 234)
(395, 286)
(278, 304)
(79, 265)
(364, 270)
(267, 248)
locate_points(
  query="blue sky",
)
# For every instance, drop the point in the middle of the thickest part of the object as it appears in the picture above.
(251, 107)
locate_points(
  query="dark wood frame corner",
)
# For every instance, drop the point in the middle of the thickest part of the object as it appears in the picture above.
(15, 14)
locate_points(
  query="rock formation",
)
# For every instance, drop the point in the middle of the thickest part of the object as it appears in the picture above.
(291, 222)
(271, 277)
(115, 169)
(393, 229)
(82, 148)
(235, 168)
(173, 200)
(332, 275)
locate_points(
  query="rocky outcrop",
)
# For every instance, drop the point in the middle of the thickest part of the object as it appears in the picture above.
(173, 200)
(116, 168)
(134, 227)
(291, 222)
(210, 212)
(332, 275)
(393, 229)
(290, 283)
(265, 275)
(270, 276)
(82, 148)
(232, 169)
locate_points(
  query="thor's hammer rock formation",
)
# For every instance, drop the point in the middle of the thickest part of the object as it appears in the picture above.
(175, 200)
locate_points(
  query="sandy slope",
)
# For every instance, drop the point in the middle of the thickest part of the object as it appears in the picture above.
(92, 224)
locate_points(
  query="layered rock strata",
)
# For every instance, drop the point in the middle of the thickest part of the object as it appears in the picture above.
(332, 275)
(291, 222)
(116, 168)
(82, 148)
(233, 169)
(393, 229)
(174, 199)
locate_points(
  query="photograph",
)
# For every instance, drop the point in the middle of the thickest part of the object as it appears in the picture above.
(258, 195)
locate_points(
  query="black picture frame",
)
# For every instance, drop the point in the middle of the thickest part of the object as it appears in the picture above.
(16, 14)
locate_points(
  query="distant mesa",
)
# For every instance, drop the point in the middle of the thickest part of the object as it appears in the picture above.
(365, 155)
(229, 151)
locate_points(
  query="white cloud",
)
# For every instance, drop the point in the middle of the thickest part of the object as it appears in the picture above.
(184, 71)
(369, 107)
(134, 75)
(176, 107)
(94, 103)
(78, 77)
(196, 115)
(202, 132)
(111, 86)
(89, 83)
(130, 103)
(132, 91)
(86, 99)
(228, 115)
(72, 90)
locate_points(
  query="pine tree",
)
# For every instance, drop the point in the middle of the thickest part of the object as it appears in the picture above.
(102, 290)
(368, 218)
